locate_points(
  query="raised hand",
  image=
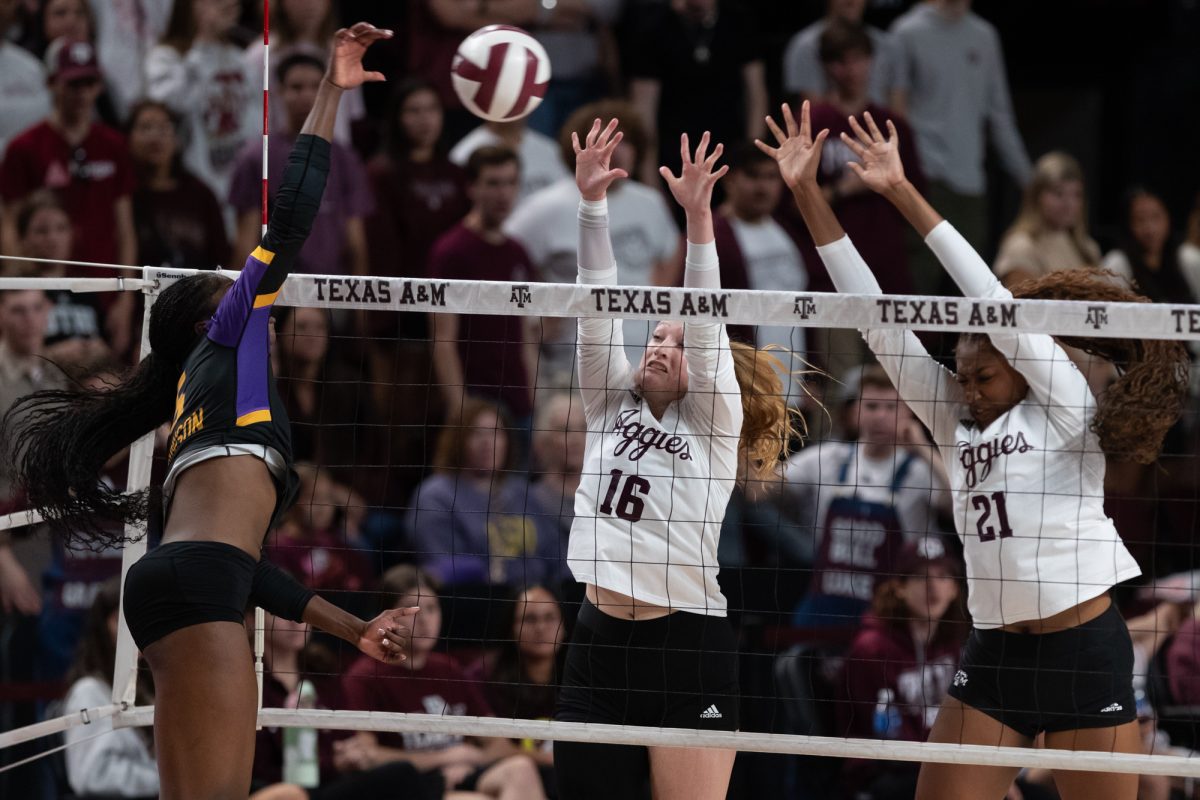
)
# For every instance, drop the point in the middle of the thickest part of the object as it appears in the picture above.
(385, 638)
(879, 164)
(799, 153)
(345, 68)
(694, 186)
(593, 174)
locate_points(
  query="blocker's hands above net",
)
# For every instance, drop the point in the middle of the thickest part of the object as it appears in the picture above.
(694, 187)
(345, 59)
(386, 637)
(593, 173)
(799, 152)
(879, 163)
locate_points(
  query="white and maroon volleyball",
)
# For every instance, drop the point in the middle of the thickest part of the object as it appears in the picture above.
(500, 73)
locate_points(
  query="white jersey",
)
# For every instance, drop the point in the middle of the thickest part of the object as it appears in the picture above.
(652, 498)
(1028, 490)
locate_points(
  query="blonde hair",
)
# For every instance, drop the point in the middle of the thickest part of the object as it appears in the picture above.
(768, 425)
(1051, 169)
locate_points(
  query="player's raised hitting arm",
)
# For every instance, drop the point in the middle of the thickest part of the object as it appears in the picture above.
(929, 389)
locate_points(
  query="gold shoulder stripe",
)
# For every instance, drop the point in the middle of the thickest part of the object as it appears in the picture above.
(265, 256)
(263, 300)
(262, 415)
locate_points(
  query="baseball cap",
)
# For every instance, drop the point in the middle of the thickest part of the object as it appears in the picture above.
(923, 553)
(69, 59)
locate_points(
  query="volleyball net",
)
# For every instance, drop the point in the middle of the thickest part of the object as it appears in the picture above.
(476, 489)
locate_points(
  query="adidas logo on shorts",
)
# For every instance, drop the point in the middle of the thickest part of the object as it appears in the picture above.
(710, 713)
(1113, 707)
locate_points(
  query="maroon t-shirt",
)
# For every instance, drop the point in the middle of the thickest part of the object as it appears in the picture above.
(180, 227)
(88, 179)
(489, 345)
(440, 687)
(417, 203)
(871, 222)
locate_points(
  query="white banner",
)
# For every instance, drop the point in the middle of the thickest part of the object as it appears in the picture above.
(734, 306)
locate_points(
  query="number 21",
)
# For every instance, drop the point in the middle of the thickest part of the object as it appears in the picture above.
(983, 503)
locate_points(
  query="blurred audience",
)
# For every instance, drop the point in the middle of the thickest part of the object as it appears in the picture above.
(489, 355)
(23, 93)
(301, 26)
(337, 244)
(86, 164)
(695, 66)
(197, 70)
(558, 442)
(578, 38)
(315, 539)
(1051, 229)
(126, 32)
(428, 682)
(520, 679)
(538, 155)
(900, 664)
(862, 502)
(178, 220)
(472, 521)
(119, 763)
(958, 100)
(1159, 263)
(804, 75)
(54, 19)
(645, 241)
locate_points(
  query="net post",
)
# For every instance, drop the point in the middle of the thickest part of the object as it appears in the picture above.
(141, 457)
(259, 646)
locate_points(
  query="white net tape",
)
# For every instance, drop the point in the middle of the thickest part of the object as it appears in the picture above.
(1148, 321)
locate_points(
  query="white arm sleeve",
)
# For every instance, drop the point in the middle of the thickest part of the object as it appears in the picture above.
(928, 388)
(1053, 378)
(602, 362)
(711, 377)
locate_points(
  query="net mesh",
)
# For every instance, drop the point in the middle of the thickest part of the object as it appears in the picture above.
(844, 579)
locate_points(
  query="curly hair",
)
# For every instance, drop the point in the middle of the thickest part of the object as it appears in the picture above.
(56, 442)
(768, 424)
(1136, 411)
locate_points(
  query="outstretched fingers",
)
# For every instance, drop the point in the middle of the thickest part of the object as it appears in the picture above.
(864, 138)
(773, 152)
(855, 146)
(773, 127)
(876, 134)
(805, 131)
(712, 158)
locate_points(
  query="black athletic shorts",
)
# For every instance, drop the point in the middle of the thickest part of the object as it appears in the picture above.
(677, 671)
(180, 584)
(1078, 678)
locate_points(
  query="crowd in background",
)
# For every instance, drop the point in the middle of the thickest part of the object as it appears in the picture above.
(439, 454)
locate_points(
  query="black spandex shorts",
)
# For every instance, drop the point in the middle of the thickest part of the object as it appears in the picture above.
(1078, 678)
(180, 584)
(677, 671)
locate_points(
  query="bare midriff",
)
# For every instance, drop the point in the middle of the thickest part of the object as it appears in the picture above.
(1072, 617)
(623, 606)
(228, 500)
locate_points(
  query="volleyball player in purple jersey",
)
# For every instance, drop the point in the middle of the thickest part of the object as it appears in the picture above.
(229, 477)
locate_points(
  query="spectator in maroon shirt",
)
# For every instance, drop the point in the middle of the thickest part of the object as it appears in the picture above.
(86, 164)
(338, 242)
(430, 683)
(176, 216)
(489, 355)
(421, 193)
(900, 665)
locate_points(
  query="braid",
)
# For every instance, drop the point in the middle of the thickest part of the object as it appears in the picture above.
(1138, 409)
(58, 441)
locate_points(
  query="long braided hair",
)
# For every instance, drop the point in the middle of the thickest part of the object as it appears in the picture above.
(55, 443)
(1135, 412)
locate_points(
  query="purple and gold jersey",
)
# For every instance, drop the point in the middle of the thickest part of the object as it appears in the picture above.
(227, 402)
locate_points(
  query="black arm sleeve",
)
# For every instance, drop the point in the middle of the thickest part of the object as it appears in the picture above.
(295, 207)
(277, 592)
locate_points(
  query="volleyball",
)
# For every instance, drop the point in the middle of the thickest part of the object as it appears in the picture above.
(500, 73)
